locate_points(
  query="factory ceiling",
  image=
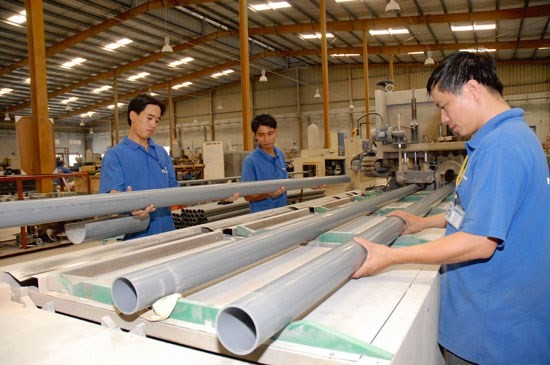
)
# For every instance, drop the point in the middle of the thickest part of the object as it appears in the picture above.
(204, 37)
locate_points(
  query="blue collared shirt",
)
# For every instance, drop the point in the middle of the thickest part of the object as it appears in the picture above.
(130, 164)
(497, 311)
(259, 165)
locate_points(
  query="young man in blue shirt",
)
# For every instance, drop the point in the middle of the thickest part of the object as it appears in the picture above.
(266, 162)
(495, 302)
(138, 163)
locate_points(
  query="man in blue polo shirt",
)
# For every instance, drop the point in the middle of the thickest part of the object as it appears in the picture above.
(495, 302)
(266, 162)
(138, 163)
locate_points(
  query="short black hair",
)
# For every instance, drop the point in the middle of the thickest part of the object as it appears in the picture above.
(140, 102)
(263, 119)
(461, 67)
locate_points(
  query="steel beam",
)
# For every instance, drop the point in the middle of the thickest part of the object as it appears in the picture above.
(245, 324)
(99, 229)
(28, 212)
(139, 289)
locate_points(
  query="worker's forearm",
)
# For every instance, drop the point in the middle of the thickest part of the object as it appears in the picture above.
(256, 197)
(434, 221)
(457, 247)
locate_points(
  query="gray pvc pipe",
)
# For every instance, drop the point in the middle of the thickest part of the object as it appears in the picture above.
(139, 289)
(99, 229)
(245, 324)
(28, 212)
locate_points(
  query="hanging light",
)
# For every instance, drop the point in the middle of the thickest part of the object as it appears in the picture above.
(429, 59)
(351, 106)
(263, 78)
(317, 95)
(91, 131)
(68, 108)
(167, 48)
(82, 123)
(219, 107)
(393, 8)
(7, 117)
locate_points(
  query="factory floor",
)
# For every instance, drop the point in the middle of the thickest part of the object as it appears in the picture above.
(11, 253)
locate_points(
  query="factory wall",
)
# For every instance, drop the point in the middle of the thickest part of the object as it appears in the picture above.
(289, 96)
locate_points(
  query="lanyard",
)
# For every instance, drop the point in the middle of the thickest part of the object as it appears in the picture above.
(461, 171)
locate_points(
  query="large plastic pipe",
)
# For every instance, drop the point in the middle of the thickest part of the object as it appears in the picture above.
(137, 290)
(99, 229)
(245, 324)
(28, 212)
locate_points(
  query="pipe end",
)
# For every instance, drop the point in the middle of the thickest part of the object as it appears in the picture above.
(237, 331)
(124, 296)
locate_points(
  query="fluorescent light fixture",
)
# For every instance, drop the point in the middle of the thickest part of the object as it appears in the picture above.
(389, 31)
(345, 54)
(5, 90)
(415, 53)
(315, 36)
(69, 100)
(20, 18)
(138, 76)
(74, 62)
(117, 44)
(112, 106)
(222, 73)
(270, 5)
(476, 50)
(102, 88)
(344, 1)
(88, 114)
(183, 84)
(181, 61)
(470, 27)
(28, 80)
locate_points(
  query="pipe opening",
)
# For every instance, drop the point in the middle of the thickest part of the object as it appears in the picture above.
(236, 331)
(124, 296)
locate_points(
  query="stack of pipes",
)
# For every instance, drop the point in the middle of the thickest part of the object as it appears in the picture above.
(211, 212)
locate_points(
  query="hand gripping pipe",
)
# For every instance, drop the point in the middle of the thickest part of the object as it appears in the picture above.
(245, 324)
(28, 212)
(137, 290)
(104, 228)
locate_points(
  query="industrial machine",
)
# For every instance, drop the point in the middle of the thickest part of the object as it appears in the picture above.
(411, 147)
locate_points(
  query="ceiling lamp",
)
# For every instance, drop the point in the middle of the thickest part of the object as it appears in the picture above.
(317, 95)
(68, 108)
(351, 106)
(393, 8)
(91, 131)
(219, 107)
(82, 123)
(263, 78)
(7, 117)
(167, 48)
(429, 59)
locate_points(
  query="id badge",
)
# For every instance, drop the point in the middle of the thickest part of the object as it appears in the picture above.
(454, 215)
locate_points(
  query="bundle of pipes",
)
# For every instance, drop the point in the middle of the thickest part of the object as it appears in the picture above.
(211, 212)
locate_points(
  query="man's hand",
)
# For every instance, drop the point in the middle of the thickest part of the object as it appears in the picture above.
(413, 223)
(277, 192)
(139, 213)
(319, 187)
(379, 257)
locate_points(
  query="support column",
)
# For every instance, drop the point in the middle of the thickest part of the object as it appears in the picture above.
(366, 83)
(115, 109)
(245, 74)
(324, 52)
(39, 129)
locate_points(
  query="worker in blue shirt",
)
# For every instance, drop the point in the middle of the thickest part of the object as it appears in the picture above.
(266, 162)
(494, 300)
(138, 163)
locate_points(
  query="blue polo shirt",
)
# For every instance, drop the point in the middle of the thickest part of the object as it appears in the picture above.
(497, 311)
(259, 165)
(129, 164)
